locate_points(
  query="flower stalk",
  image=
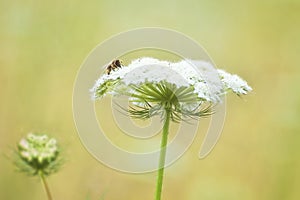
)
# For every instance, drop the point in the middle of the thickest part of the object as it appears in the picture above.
(45, 184)
(162, 157)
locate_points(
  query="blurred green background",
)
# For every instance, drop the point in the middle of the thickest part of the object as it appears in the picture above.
(43, 43)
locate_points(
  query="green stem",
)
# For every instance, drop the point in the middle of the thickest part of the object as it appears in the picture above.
(162, 156)
(45, 184)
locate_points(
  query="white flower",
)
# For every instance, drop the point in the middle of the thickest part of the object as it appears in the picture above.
(208, 84)
(26, 155)
(24, 144)
(187, 88)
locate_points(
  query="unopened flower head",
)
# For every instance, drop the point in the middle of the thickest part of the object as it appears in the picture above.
(38, 153)
(183, 86)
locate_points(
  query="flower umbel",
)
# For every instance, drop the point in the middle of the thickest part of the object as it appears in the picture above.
(38, 154)
(188, 88)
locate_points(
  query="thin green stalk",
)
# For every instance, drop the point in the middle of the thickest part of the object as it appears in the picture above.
(162, 156)
(45, 184)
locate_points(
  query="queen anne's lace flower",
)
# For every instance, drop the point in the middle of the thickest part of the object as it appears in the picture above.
(193, 82)
(174, 91)
(38, 153)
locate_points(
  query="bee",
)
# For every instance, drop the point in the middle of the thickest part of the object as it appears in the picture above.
(115, 64)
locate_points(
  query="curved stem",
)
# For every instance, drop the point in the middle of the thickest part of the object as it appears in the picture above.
(45, 184)
(162, 156)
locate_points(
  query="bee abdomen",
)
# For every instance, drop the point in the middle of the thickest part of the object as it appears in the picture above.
(114, 65)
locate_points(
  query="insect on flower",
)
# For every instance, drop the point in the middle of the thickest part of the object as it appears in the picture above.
(115, 64)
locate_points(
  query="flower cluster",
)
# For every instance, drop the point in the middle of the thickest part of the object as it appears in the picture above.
(182, 86)
(38, 153)
(234, 82)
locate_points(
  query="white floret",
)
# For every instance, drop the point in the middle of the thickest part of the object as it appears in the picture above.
(234, 82)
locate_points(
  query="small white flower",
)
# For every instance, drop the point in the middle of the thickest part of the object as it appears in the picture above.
(52, 142)
(31, 136)
(24, 144)
(234, 82)
(26, 155)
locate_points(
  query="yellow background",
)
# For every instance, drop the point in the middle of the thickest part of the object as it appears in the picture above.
(43, 43)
